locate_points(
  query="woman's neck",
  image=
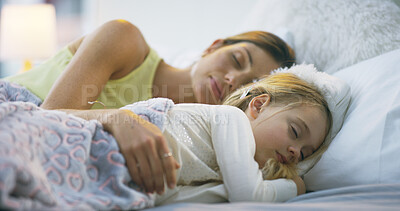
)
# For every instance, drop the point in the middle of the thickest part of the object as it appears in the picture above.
(173, 83)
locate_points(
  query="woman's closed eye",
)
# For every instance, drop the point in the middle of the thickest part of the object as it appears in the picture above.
(237, 59)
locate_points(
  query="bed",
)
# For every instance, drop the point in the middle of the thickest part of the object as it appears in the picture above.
(359, 42)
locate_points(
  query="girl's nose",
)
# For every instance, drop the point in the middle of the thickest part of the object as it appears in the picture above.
(294, 153)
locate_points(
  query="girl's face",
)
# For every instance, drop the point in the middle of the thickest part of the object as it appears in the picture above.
(223, 69)
(287, 135)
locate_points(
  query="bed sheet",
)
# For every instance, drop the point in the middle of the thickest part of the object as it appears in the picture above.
(362, 197)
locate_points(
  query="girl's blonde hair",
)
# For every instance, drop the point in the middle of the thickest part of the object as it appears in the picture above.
(286, 90)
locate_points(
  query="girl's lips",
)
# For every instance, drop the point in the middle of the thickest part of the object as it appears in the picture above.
(281, 158)
(216, 89)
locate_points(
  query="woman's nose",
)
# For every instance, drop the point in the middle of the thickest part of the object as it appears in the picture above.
(231, 81)
(235, 80)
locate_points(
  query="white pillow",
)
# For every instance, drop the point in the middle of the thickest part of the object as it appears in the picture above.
(332, 34)
(366, 150)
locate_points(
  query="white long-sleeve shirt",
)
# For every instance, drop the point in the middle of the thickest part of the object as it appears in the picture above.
(215, 147)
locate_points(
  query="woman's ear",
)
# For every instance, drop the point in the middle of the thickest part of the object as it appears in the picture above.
(257, 103)
(214, 46)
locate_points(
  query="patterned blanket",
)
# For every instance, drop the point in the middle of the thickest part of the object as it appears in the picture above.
(52, 160)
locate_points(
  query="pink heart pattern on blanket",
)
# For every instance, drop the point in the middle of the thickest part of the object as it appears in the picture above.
(51, 160)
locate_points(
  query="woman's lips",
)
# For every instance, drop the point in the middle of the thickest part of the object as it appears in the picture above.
(281, 158)
(216, 89)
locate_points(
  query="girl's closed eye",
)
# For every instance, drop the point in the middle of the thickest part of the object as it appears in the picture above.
(295, 131)
(237, 58)
(295, 134)
(302, 155)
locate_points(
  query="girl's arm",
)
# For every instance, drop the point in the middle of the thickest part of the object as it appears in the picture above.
(140, 142)
(234, 145)
(110, 52)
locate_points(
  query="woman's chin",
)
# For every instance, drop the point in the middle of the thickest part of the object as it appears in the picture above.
(205, 97)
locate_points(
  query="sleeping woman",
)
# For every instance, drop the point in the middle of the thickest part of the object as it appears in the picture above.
(115, 66)
(225, 154)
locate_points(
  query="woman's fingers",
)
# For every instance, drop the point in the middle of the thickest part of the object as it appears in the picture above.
(144, 146)
(156, 168)
(169, 164)
(145, 169)
(133, 168)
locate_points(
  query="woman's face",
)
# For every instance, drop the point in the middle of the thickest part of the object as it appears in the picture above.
(287, 135)
(223, 69)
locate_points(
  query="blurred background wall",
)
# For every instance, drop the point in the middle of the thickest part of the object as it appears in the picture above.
(170, 26)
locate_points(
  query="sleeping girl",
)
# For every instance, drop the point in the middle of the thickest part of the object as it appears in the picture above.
(224, 153)
(283, 120)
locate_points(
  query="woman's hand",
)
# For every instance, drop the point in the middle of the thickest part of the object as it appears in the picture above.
(301, 187)
(141, 143)
(146, 152)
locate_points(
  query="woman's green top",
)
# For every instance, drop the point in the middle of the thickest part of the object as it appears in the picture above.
(136, 86)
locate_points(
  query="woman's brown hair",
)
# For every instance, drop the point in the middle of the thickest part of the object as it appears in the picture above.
(282, 53)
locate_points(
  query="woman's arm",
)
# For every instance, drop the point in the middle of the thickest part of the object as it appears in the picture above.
(110, 52)
(141, 143)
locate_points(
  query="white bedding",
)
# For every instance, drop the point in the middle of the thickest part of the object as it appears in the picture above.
(364, 197)
(366, 150)
(349, 39)
(332, 35)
